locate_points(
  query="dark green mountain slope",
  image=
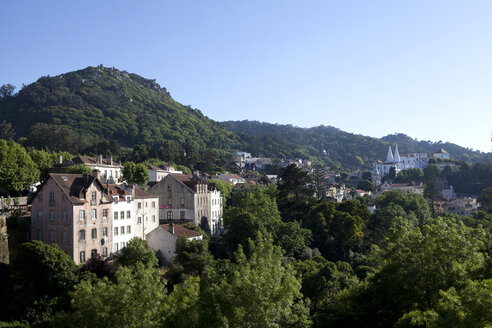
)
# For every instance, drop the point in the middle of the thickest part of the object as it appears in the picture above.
(105, 103)
(347, 149)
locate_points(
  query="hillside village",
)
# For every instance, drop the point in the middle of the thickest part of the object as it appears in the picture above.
(97, 214)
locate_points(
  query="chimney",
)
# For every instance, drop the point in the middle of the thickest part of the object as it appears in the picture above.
(99, 159)
(110, 160)
(60, 159)
(171, 227)
(96, 174)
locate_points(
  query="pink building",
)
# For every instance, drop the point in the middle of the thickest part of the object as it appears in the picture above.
(72, 211)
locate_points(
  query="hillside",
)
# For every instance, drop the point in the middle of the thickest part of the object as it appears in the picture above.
(98, 103)
(342, 148)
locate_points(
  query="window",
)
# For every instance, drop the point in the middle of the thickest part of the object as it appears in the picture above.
(146, 204)
(105, 251)
(40, 234)
(93, 253)
(122, 244)
(139, 205)
(105, 213)
(139, 219)
(115, 247)
(40, 197)
(52, 235)
(82, 235)
(182, 202)
(128, 229)
(128, 199)
(94, 233)
(153, 218)
(64, 216)
(82, 214)
(64, 198)
(116, 231)
(115, 198)
(82, 257)
(122, 230)
(52, 216)
(153, 204)
(122, 214)
(169, 215)
(115, 215)
(52, 196)
(93, 197)
(40, 215)
(182, 215)
(128, 214)
(94, 213)
(105, 231)
(64, 235)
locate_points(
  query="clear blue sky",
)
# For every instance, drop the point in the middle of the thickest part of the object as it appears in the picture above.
(423, 68)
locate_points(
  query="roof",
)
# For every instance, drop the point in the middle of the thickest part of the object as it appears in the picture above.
(72, 184)
(441, 151)
(87, 160)
(181, 177)
(115, 190)
(180, 230)
(139, 194)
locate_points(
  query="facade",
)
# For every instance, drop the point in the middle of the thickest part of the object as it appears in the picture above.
(162, 240)
(146, 212)
(111, 172)
(72, 211)
(215, 213)
(122, 216)
(184, 198)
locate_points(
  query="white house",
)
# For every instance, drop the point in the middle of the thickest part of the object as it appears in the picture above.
(215, 209)
(122, 215)
(442, 154)
(157, 173)
(162, 240)
(398, 162)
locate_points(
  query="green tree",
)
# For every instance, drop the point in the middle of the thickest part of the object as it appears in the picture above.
(6, 131)
(485, 199)
(44, 161)
(431, 180)
(225, 189)
(319, 181)
(80, 169)
(6, 90)
(137, 250)
(258, 291)
(366, 185)
(136, 299)
(17, 170)
(141, 175)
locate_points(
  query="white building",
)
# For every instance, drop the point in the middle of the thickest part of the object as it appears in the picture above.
(146, 212)
(111, 171)
(215, 213)
(162, 240)
(157, 173)
(399, 162)
(122, 215)
(442, 154)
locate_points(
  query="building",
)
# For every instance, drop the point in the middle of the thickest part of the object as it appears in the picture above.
(157, 173)
(215, 209)
(185, 198)
(122, 216)
(146, 211)
(465, 206)
(398, 162)
(111, 171)
(231, 178)
(405, 187)
(441, 153)
(162, 240)
(72, 211)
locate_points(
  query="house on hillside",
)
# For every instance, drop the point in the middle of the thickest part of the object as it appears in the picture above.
(111, 171)
(441, 153)
(162, 240)
(157, 173)
(72, 211)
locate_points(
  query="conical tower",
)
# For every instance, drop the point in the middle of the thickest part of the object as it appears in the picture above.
(397, 155)
(389, 157)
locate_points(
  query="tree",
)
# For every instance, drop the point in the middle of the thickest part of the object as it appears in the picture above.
(80, 169)
(485, 199)
(319, 181)
(136, 299)
(366, 185)
(17, 170)
(6, 90)
(136, 173)
(256, 291)
(137, 251)
(6, 131)
(431, 180)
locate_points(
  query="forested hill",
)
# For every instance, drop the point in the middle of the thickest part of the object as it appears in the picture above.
(97, 103)
(347, 149)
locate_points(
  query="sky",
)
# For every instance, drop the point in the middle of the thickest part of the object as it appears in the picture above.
(423, 68)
